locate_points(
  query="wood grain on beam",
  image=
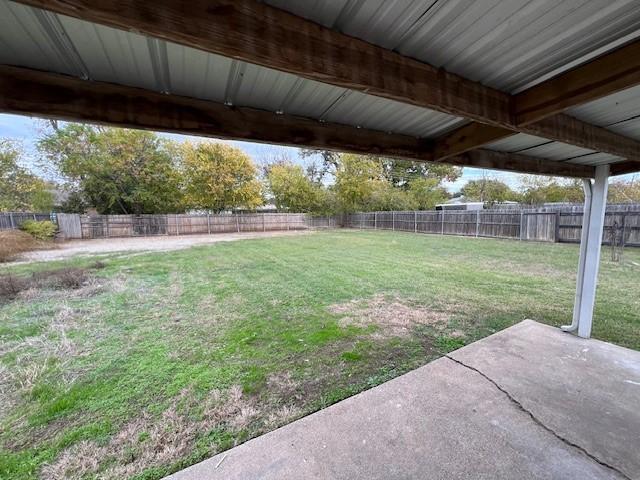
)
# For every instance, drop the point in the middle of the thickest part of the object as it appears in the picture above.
(515, 162)
(566, 129)
(257, 33)
(31, 92)
(623, 168)
(468, 137)
(605, 75)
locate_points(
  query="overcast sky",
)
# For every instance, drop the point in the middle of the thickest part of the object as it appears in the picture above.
(26, 130)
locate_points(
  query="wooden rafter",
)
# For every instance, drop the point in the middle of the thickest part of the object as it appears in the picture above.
(257, 33)
(607, 74)
(537, 108)
(32, 92)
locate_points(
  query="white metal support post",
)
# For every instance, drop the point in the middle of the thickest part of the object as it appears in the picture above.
(595, 205)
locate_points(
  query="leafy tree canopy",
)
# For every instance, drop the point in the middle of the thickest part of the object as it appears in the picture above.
(293, 190)
(218, 177)
(489, 191)
(19, 189)
(538, 190)
(117, 170)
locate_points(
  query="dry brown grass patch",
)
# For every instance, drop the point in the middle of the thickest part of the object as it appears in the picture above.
(393, 316)
(11, 286)
(15, 242)
(147, 441)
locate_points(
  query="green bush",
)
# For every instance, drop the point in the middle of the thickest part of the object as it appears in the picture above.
(43, 230)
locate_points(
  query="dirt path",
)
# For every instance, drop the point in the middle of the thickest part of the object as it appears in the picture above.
(142, 244)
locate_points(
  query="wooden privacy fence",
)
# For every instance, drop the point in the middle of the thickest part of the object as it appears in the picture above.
(622, 223)
(13, 220)
(109, 226)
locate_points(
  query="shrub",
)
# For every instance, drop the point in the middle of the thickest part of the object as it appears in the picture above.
(43, 230)
(14, 242)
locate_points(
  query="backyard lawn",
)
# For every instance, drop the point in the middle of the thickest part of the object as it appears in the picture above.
(137, 365)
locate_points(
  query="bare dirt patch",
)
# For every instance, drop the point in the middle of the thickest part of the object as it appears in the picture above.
(147, 441)
(393, 316)
(142, 244)
(60, 279)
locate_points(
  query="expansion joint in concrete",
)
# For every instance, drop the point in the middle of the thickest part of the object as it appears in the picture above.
(538, 421)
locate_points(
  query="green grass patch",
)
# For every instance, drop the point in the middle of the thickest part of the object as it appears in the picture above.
(255, 317)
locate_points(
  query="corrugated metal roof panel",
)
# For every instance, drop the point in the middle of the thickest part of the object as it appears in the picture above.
(378, 113)
(24, 42)
(595, 158)
(619, 112)
(506, 44)
(517, 143)
(127, 58)
(543, 148)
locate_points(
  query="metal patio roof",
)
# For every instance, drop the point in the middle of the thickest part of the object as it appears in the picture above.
(505, 44)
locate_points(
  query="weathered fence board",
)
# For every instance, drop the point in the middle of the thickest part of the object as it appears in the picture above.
(548, 224)
(108, 226)
(13, 220)
(69, 225)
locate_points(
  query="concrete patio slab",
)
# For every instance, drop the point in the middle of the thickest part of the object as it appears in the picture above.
(528, 402)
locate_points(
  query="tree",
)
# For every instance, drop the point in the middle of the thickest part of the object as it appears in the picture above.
(538, 190)
(488, 190)
(621, 191)
(426, 193)
(219, 177)
(318, 170)
(292, 190)
(116, 170)
(402, 172)
(357, 178)
(386, 197)
(19, 189)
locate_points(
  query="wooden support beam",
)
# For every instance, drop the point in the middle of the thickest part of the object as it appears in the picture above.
(258, 33)
(49, 95)
(31, 92)
(466, 138)
(605, 75)
(622, 168)
(566, 129)
(561, 128)
(514, 162)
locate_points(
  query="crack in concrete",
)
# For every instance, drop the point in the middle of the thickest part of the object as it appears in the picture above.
(539, 422)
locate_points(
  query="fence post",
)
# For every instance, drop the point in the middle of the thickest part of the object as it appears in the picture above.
(393, 220)
(107, 220)
(375, 220)
(557, 229)
(264, 227)
(477, 222)
(175, 217)
(442, 225)
(415, 221)
(521, 224)
(34, 216)
(237, 223)
(209, 223)
(13, 225)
